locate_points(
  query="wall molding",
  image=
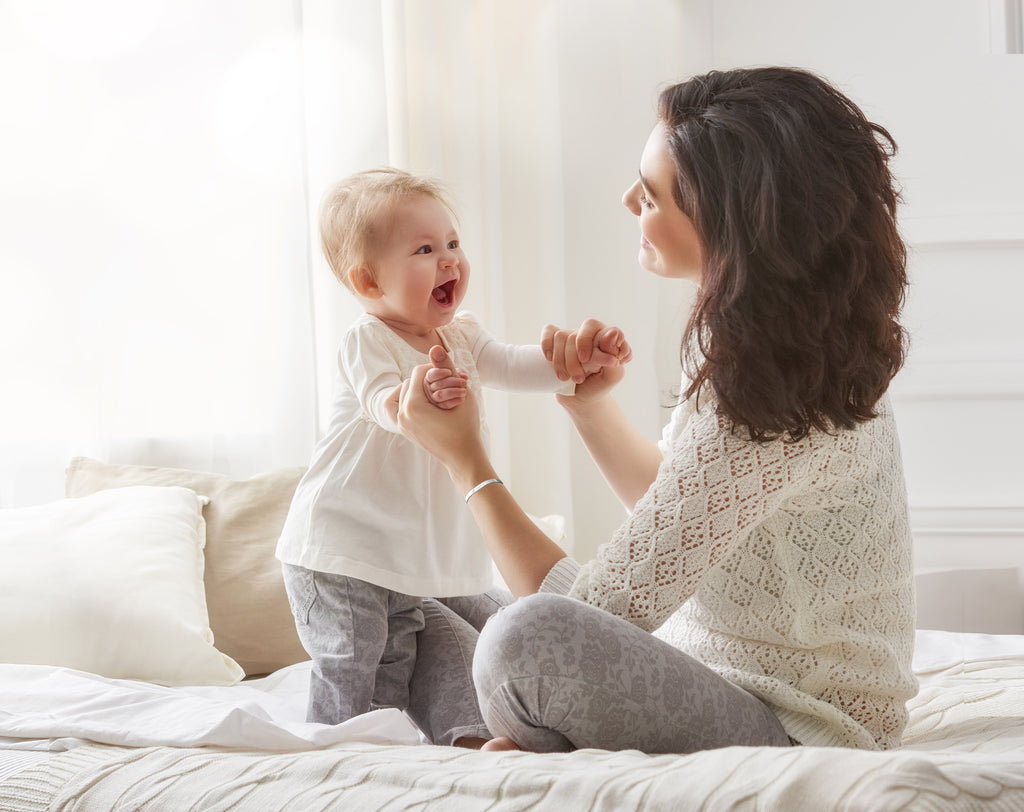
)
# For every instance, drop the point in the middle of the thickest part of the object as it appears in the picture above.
(959, 379)
(988, 230)
(967, 537)
(982, 520)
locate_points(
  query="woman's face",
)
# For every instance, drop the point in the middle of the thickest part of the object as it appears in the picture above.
(669, 245)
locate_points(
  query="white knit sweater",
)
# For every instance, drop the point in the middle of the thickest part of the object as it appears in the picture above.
(785, 567)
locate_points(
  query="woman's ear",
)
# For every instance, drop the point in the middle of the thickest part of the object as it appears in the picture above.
(364, 282)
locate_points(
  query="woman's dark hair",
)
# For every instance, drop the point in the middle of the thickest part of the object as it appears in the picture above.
(788, 186)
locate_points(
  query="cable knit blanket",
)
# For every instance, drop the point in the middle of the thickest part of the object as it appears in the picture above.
(963, 750)
(385, 777)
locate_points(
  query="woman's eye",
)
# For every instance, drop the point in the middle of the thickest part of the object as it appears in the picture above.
(645, 202)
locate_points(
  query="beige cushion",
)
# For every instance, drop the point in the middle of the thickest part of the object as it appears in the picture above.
(112, 584)
(245, 595)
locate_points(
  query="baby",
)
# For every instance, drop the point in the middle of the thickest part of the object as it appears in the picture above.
(376, 525)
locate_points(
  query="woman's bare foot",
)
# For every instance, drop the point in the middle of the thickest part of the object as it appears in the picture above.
(501, 743)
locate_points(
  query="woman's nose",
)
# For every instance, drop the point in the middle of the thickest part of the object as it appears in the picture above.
(629, 198)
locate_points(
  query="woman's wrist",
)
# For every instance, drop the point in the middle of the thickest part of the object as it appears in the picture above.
(583, 409)
(466, 474)
(480, 486)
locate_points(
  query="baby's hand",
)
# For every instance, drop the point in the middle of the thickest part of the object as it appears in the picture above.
(445, 385)
(593, 356)
(610, 349)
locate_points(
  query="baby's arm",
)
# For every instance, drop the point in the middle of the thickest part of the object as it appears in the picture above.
(525, 368)
(444, 388)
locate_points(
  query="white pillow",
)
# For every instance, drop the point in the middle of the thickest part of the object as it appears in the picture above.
(112, 584)
(249, 613)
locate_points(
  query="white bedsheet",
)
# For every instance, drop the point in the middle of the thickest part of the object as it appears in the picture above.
(938, 650)
(53, 709)
(45, 708)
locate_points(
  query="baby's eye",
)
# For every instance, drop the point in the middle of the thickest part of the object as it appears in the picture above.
(423, 249)
(453, 244)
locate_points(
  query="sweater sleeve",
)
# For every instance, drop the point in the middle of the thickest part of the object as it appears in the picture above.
(712, 490)
(560, 577)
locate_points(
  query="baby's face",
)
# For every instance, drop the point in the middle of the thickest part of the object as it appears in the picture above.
(421, 270)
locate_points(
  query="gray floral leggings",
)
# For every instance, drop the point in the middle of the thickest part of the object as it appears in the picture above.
(549, 672)
(556, 674)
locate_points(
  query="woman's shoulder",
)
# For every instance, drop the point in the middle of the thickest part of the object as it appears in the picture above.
(699, 431)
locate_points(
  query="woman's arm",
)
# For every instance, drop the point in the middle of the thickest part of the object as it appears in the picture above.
(628, 461)
(521, 551)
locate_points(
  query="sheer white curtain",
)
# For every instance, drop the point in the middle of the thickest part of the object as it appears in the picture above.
(155, 255)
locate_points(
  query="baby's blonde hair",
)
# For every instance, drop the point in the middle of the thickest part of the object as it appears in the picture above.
(356, 214)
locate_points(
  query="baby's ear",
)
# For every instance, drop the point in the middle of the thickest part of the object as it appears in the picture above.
(364, 282)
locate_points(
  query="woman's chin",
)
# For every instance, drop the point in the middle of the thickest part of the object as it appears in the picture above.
(646, 261)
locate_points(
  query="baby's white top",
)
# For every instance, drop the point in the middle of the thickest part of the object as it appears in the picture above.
(373, 505)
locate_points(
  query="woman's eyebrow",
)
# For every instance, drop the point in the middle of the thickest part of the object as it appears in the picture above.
(646, 185)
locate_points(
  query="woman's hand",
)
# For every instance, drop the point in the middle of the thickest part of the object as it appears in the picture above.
(592, 355)
(451, 435)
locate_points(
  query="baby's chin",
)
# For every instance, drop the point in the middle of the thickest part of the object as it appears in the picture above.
(442, 318)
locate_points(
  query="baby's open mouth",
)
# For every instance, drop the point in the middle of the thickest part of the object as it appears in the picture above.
(443, 293)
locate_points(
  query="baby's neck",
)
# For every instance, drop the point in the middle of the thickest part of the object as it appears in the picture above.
(419, 339)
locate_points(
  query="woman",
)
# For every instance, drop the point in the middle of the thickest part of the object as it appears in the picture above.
(761, 590)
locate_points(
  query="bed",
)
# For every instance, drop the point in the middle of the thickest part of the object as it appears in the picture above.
(150, 662)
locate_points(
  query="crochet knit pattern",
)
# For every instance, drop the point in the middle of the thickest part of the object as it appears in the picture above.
(784, 566)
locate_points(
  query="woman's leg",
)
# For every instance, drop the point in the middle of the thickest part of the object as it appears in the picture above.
(442, 698)
(476, 610)
(555, 674)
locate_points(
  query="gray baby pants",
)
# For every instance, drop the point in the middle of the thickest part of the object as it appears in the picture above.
(375, 648)
(556, 674)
